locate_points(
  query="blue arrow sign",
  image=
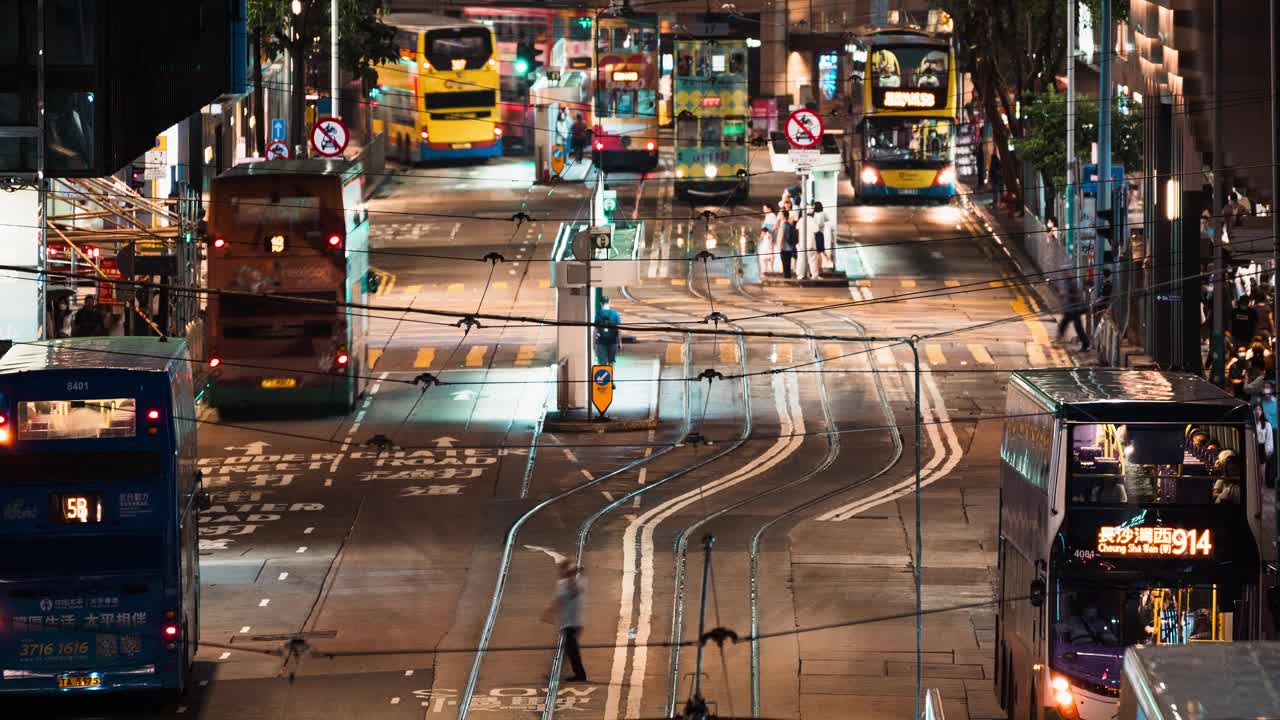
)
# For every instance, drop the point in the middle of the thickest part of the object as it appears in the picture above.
(277, 128)
(602, 377)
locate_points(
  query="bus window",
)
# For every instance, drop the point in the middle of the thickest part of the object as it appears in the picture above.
(468, 47)
(604, 103)
(687, 130)
(735, 130)
(77, 419)
(737, 63)
(684, 64)
(712, 135)
(625, 103)
(408, 44)
(1155, 464)
(275, 210)
(646, 103)
(899, 138)
(649, 40)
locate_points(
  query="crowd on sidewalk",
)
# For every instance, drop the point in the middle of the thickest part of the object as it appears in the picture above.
(799, 250)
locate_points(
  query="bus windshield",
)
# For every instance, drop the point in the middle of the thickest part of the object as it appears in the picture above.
(920, 66)
(1115, 464)
(1093, 623)
(903, 138)
(470, 47)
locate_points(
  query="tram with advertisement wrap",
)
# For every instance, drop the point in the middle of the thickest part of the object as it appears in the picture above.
(712, 105)
(439, 101)
(101, 496)
(1130, 513)
(909, 108)
(288, 256)
(625, 134)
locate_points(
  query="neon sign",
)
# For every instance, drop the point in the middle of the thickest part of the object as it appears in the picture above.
(908, 98)
(1154, 541)
(626, 76)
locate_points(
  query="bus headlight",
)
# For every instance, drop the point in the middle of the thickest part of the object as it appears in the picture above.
(497, 131)
(946, 176)
(711, 170)
(679, 172)
(1062, 696)
(869, 176)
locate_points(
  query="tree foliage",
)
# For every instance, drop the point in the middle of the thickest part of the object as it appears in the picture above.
(1044, 125)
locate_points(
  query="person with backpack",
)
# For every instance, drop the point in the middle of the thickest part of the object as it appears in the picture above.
(607, 320)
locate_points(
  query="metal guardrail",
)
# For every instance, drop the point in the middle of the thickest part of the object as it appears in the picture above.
(932, 706)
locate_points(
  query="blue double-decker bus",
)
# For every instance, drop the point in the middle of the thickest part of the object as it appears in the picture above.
(99, 500)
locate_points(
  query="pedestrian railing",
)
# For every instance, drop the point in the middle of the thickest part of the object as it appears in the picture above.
(931, 708)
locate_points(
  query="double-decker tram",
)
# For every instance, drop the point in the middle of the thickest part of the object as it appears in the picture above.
(626, 92)
(1129, 514)
(288, 256)
(908, 127)
(712, 104)
(447, 80)
(99, 573)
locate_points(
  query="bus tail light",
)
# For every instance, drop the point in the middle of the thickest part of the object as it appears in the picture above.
(341, 360)
(5, 434)
(219, 243)
(649, 146)
(334, 240)
(497, 131)
(153, 414)
(946, 176)
(214, 362)
(870, 176)
(599, 145)
(424, 134)
(171, 630)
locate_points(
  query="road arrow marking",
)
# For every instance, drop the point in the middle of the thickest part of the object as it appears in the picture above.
(253, 448)
(555, 556)
(445, 442)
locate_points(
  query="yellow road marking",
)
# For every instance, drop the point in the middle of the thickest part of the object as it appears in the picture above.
(454, 287)
(675, 353)
(385, 288)
(981, 355)
(1036, 328)
(952, 283)
(864, 283)
(475, 356)
(907, 283)
(524, 356)
(677, 281)
(374, 355)
(1036, 354)
(785, 354)
(996, 283)
(544, 284)
(413, 289)
(729, 352)
(722, 281)
(832, 351)
(500, 285)
(425, 357)
(935, 354)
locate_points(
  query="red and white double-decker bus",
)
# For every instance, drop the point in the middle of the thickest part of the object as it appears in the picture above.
(626, 92)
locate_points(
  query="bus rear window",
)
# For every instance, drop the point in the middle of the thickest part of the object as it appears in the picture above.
(276, 211)
(77, 419)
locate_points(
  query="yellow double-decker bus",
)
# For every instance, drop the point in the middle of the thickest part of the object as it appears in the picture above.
(439, 101)
(908, 127)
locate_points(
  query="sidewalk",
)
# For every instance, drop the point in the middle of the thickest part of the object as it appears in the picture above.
(634, 406)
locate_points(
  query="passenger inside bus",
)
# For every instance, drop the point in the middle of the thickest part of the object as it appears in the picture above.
(1164, 464)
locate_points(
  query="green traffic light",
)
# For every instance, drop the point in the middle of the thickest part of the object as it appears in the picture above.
(522, 67)
(584, 22)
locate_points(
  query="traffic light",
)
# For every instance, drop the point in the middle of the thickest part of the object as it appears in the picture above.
(1105, 231)
(137, 176)
(527, 62)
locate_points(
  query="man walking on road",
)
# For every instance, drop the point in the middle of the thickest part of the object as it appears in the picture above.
(568, 603)
(607, 320)
(1071, 312)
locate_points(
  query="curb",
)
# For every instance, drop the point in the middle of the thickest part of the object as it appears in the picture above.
(554, 425)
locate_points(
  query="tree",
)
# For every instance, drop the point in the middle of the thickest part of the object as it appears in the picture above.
(364, 41)
(1044, 134)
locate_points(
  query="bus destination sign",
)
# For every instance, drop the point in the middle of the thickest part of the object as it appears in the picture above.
(1154, 541)
(909, 99)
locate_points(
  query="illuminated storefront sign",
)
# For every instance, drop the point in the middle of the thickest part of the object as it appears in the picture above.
(626, 76)
(1154, 541)
(908, 98)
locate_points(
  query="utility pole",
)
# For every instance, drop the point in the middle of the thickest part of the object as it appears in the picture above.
(1275, 179)
(1104, 242)
(333, 58)
(1217, 345)
(1069, 220)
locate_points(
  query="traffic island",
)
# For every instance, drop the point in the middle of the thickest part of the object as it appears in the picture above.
(632, 405)
(826, 279)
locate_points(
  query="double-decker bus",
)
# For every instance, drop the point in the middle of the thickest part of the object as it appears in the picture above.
(711, 107)
(288, 254)
(908, 127)
(447, 77)
(625, 134)
(101, 496)
(1130, 513)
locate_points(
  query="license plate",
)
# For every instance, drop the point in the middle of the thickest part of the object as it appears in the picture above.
(461, 146)
(279, 383)
(79, 681)
(909, 191)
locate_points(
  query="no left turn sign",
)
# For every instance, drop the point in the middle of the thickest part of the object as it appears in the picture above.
(804, 129)
(329, 137)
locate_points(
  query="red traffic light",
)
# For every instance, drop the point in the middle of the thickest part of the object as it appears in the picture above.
(343, 358)
(335, 240)
(214, 362)
(219, 242)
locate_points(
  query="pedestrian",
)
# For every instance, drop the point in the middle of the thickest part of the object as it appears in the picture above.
(1071, 312)
(1265, 435)
(1243, 320)
(578, 135)
(788, 240)
(764, 246)
(607, 321)
(997, 179)
(88, 321)
(568, 605)
(818, 221)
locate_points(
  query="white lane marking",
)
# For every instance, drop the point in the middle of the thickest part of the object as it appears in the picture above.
(855, 292)
(408, 673)
(244, 629)
(867, 294)
(302, 549)
(308, 531)
(454, 233)
(328, 482)
(953, 453)
(644, 475)
(587, 474)
(347, 441)
(791, 436)
(635, 502)
(570, 456)
(395, 701)
(264, 602)
(555, 556)
(224, 656)
(283, 576)
(607, 495)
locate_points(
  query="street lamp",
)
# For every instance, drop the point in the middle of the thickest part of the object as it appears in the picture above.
(296, 7)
